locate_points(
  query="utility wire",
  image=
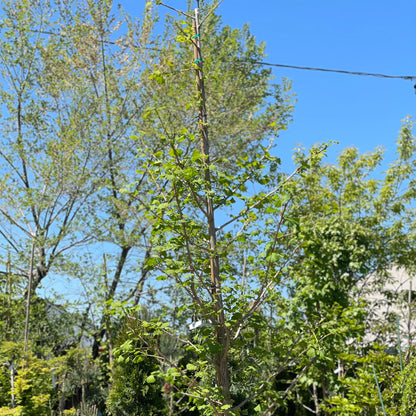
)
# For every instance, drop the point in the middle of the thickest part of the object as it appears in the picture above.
(304, 68)
(338, 71)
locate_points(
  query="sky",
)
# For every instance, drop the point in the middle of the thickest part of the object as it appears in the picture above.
(355, 35)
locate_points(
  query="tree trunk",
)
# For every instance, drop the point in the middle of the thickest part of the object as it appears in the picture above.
(222, 335)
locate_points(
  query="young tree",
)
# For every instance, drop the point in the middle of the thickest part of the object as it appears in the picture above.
(130, 394)
(194, 188)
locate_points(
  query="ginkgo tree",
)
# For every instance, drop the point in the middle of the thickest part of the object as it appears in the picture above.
(204, 217)
(323, 230)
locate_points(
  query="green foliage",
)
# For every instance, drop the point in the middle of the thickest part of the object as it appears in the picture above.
(187, 245)
(134, 390)
(6, 411)
(245, 107)
(70, 412)
(81, 379)
(347, 234)
(32, 380)
(88, 410)
(357, 393)
(270, 266)
(401, 400)
(11, 308)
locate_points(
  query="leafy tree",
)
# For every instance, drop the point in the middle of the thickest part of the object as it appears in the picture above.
(401, 400)
(81, 381)
(46, 183)
(74, 97)
(11, 307)
(270, 269)
(203, 259)
(350, 229)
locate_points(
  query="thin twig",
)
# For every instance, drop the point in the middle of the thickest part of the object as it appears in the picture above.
(176, 10)
(210, 12)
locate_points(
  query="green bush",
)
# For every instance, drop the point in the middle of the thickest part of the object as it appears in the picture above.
(70, 412)
(7, 411)
(404, 397)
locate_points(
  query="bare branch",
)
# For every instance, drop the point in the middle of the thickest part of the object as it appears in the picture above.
(210, 12)
(177, 10)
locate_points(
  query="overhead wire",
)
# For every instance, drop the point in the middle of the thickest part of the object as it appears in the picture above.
(297, 67)
(307, 68)
(338, 71)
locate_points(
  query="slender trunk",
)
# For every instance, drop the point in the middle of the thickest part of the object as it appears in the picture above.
(107, 322)
(222, 334)
(409, 321)
(84, 322)
(12, 384)
(29, 294)
(315, 399)
(323, 384)
(143, 276)
(9, 299)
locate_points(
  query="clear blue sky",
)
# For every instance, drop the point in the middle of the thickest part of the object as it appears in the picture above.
(356, 35)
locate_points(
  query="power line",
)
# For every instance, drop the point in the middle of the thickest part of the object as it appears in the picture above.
(304, 68)
(338, 71)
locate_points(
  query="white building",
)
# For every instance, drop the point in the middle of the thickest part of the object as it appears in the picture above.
(391, 304)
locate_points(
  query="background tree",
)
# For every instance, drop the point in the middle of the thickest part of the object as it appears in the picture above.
(352, 233)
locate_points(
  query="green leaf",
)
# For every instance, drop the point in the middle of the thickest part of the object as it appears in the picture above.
(191, 367)
(226, 406)
(151, 379)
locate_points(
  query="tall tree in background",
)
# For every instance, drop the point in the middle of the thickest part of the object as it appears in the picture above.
(74, 97)
(46, 182)
(356, 228)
